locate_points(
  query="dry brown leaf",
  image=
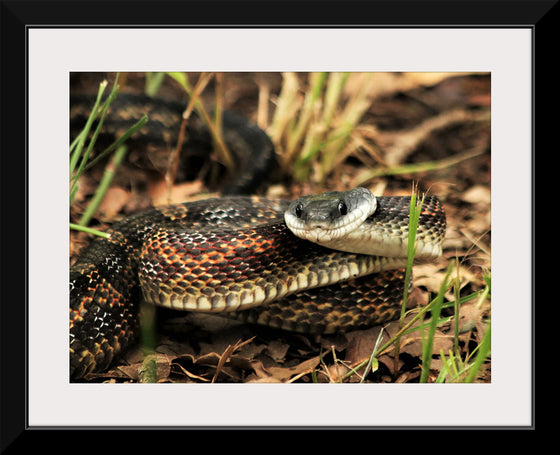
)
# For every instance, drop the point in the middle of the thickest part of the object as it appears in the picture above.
(339, 342)
(129, 371)
(413, 345)
(337, 372)
(266, 380)
(86, 186)
(478, 194)
(113, 202)
(277, 350)
(161, 195)
(284, 374)
(195, 366)
(429, 276)
(191, 375)
(226, 356)
(361, 344)
(259, 370)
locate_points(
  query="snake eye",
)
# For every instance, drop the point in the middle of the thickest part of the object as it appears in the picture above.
(299, 210)
(342, 209)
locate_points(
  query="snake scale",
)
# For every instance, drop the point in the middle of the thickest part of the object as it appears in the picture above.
(236, 255)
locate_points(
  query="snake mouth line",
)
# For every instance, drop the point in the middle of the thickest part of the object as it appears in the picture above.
(325, 232)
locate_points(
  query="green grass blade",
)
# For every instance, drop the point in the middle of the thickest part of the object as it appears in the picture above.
(81, 138)
(414, 216)
(73, 145)
(104, 184)
(153, 83)
(317, 81)
(445, 367)
(115, 145)
(181, 79)
(77, 227)
(85, 156)
(428, 344)
(457, 309)
(482, 354)
(335, 87)
(373, 363)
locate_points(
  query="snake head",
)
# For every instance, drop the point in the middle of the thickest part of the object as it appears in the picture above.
(329, 216)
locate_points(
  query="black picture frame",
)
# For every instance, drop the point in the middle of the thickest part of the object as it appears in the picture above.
(18, 17)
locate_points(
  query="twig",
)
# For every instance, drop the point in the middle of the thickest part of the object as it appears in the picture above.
(174, 155)
(404, 143)
(227, 354)
(426, 166)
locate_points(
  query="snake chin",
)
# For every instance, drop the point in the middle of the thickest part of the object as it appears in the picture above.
(320, 235)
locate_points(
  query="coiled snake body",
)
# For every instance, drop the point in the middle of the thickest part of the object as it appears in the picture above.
(236, 254)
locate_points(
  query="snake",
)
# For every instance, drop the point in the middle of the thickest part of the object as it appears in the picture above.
(250, 147)
(318, 264)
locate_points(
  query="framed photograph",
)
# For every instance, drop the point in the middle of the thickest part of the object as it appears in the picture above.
(440, 110)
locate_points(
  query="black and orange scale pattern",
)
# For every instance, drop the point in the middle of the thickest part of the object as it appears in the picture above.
(358, 303)
(201, 253)
(104, 286)
(235, 268)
